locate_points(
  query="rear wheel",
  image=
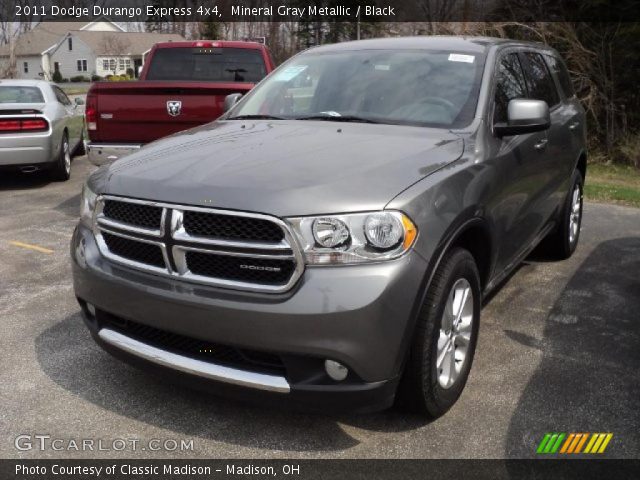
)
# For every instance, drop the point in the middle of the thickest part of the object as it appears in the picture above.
(62, 167)
(445, 340)
(563, 242)
(80, 148)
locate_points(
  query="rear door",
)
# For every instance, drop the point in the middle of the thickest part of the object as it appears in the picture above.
(572, 123)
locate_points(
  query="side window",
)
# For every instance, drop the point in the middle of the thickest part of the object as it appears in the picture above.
(541, 84)
(510, 85)
(61, 96)
(559, 69)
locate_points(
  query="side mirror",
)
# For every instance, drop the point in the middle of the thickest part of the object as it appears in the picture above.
(524, 116)
(231, 100)
(139, 69)
(78, 101)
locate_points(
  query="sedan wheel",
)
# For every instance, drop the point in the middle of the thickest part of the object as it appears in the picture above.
(62, 166)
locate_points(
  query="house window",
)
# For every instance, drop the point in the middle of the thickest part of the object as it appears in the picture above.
(25, 67)
(82, 65)
(109, 64)
(124, 63)
(70, 43)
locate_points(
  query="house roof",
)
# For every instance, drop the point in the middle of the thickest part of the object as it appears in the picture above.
(130, 43)
(41, 37)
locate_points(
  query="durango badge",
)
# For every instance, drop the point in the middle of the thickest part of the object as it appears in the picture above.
(174, 107)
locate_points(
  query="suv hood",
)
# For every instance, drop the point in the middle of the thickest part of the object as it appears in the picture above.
(282, 167)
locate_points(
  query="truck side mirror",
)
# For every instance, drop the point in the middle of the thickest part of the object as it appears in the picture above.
(524, 116)
(231, 100)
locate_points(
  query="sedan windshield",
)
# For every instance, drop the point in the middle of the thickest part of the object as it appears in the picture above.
(412, 87)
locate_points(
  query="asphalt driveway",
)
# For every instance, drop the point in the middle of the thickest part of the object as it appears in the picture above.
(559, 351)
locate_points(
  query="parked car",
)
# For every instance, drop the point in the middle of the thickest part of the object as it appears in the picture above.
(182, 85)
(40, 128)
(330, 239)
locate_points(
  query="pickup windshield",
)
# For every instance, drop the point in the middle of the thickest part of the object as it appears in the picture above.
(412, 87)
(207, 64)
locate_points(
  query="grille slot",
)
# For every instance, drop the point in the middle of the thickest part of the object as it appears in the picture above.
(195, 348)
(241, 269)
(133, 250)
(135, 214)
(229, 227)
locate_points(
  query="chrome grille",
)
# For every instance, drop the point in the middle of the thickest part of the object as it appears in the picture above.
(224, 248)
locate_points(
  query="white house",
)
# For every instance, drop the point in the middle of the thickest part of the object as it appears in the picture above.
(79, 49)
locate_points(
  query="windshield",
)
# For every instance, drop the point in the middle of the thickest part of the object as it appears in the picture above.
(415, 87)
(16, 94)
(207, 64)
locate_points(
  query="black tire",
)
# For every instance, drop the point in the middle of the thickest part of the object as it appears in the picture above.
(80, 148)
(563, 242)
(61, 170)
(420, 390)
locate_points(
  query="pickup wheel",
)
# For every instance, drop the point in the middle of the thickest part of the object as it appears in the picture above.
(444, 342)
(80, 148)
(61, 170)
(563, 241)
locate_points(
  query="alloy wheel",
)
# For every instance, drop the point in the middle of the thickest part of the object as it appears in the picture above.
(455, 333)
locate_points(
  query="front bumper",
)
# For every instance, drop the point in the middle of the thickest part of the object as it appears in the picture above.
(103, 153)
(360, 316)
(26, 149)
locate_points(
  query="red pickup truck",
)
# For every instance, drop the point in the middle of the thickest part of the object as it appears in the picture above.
(182, 85)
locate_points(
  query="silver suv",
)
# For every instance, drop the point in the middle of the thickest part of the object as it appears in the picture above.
(330, 239)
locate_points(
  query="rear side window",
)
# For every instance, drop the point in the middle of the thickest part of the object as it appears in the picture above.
(16, 94)
(559, 69)
(510, 85)
(207, 64)
(61, 96)
(541, 84)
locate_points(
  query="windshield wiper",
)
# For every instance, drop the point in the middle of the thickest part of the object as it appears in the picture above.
(338, 118)
(256, 117)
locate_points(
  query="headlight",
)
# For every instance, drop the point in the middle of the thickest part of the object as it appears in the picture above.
(87, 205)
(354, 238)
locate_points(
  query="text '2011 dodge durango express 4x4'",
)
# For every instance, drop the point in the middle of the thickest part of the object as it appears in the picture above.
(330, 238)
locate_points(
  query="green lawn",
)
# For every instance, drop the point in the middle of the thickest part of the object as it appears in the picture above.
(613, 184)
(74, 88)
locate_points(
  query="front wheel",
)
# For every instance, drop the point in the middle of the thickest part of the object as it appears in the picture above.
(445, 339)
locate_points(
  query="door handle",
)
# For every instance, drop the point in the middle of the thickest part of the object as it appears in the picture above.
(574, 125)
(541, 144)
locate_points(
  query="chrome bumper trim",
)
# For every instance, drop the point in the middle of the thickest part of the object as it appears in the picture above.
(211, 371)
(103, 153)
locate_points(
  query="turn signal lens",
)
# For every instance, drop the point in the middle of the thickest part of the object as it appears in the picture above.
(410, 232)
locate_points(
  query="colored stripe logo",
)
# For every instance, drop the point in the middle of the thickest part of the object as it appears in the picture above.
(571, 443)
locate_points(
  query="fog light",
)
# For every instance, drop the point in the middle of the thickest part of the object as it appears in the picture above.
(335, 370)
(91, 309)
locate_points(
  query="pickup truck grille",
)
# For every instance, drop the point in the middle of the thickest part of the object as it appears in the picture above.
(237, 250)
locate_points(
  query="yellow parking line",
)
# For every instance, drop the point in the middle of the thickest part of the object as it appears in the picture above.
(31, 247)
